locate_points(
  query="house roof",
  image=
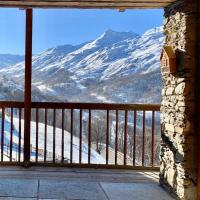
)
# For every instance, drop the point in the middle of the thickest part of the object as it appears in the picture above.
(115, 4)
(169, 51)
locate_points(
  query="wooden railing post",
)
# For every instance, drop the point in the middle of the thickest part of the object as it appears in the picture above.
(27, 95)
(198, 96)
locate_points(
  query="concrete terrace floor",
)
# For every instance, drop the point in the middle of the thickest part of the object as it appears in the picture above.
(79, 184)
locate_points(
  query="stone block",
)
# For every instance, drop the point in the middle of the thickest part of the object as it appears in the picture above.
(180, 88)
(169, 127)
(179, 130)
(170, 91)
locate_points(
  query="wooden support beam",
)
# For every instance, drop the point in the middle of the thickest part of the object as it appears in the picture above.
(115, 4)
(66, 1)
(27, 96)
(198, 97)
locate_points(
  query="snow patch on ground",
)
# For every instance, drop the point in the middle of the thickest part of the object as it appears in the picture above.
(95, 157)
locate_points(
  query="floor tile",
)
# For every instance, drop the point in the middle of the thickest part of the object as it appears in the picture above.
(134, 191)
(15, 198)
(72, 190)
(18, 188)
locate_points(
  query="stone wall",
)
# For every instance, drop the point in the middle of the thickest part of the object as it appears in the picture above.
(178, 146)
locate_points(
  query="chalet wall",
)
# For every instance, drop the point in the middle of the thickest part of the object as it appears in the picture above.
(178, 153)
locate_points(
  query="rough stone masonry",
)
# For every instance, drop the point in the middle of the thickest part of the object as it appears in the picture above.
(178, 146)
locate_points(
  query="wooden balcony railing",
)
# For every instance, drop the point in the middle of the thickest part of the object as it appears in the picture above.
(82, 134)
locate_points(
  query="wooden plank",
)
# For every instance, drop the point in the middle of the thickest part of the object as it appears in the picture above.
(80, 137)
(70, 105)
(198, 97)
(71, 136)
(36, 134)
(134, 137)
(76, 165)
(125, 136)
(54, 135)
(96, 106)
(143, 137)
(11, 104)
(107, 136)
(2, 133)
(89, 4)
(116, 136)
(20, 135)
(89, 136)
(11, 134)
(95, 166)
(66, 1)
(152, 138)
(27, 100)
(45, 135)
(62, 140)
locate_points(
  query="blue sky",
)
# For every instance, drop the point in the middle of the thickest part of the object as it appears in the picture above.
(69, 26)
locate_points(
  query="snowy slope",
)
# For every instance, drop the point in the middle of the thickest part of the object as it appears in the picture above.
(95, 157)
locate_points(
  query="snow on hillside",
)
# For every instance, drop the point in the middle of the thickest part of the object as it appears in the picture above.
(95, 157)
(67, 71)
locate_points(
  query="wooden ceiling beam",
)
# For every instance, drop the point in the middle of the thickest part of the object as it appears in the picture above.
(115, 4)
(65, 1)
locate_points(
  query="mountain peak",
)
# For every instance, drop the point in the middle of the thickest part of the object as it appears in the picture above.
(153, 31)
(125, 34)
(110, 37)
(110, 31)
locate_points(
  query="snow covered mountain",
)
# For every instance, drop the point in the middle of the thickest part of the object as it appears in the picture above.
(115, 67)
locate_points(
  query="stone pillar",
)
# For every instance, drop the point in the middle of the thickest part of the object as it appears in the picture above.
(179, 135)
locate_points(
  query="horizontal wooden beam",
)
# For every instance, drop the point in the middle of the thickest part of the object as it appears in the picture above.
(98, 166)
(134, 1)
(74, 105)
(11, 104)
(95, 106)
(95, 166)
(115, 4)
(66, 1)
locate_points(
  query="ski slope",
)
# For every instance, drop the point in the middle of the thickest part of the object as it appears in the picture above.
(95, 157)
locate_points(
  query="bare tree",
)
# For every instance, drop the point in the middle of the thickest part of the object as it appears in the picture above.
(98, 134)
